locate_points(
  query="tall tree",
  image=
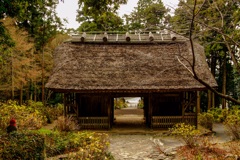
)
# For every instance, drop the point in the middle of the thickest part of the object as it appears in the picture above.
(39, 18)
(148, 15)
(42, 22)
(95, 15)
(18, 63)
(216, 25)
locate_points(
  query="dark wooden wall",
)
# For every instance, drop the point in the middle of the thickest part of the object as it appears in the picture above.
(168, 104)
(93, 106)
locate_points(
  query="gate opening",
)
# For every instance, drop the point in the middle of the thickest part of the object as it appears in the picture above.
(129, 112)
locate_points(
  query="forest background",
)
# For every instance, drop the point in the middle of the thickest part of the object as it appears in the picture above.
(30, 31)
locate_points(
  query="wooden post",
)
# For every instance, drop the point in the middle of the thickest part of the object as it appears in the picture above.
(198, 102)
(150, 109)
(109, 105)
(198, 107)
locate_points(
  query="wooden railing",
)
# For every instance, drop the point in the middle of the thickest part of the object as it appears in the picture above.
(169, 121)
(93, 122)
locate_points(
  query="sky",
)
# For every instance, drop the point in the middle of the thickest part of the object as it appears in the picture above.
(67, 10)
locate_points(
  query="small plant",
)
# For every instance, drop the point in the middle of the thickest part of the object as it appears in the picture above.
(188, 133)
(206, 120)
(66, 124)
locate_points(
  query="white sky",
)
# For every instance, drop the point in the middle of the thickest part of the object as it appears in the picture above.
(68, 9)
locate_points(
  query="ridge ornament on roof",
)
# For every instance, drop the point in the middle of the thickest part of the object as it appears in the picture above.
(145, 37)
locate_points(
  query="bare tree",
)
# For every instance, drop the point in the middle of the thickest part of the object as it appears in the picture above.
(226, 39)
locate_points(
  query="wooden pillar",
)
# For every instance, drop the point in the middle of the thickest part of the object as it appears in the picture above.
(198, 106)
(110, 112)
(146, 107)
(198, 102)
(111, 101)
(150, 99)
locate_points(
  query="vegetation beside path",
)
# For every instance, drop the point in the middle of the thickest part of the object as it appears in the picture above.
(34, 141)
(35, 138)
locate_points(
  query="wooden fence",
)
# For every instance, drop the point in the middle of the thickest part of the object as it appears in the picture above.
(169, 121)
(93, 122)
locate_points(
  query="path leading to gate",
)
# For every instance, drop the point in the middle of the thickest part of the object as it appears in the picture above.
(130, 140)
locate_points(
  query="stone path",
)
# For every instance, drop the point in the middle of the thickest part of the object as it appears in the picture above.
(142, 147)
(131, 143)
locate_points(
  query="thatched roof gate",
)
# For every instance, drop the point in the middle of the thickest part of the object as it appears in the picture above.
(128, 64)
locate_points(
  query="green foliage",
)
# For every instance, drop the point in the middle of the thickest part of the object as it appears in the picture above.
(140, 104)
(46, 143)
(148, 15)
(99, 15)
(95, 144)
(232, 122)
(51, 112)
(22, 145)
(206, 120)
(230, 118)
(94, 148)
(218, 115)
(31, 116)
(66, 124)
(120, 103)
(188, 133)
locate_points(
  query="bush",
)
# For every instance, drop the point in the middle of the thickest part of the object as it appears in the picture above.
(51, 112)
(188, 133)
(26, 116)
(95, 144)
(31, 116)
(206, 120)
(232, 122)
(66, 124)
(95, 148)
(219, 115)
(22, 145)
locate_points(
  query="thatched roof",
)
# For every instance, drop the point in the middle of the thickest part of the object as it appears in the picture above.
(85, 64)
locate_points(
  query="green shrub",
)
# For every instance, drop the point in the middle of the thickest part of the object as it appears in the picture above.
(206, 120)
(51, 112)
(188, 133)
(31, 116)
(95, 148)
(219, 115)
(22, 145)
(26, 116)
(80, 142)
(232, 122)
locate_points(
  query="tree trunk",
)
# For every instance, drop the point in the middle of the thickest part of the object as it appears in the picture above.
(211, 95)
(224, 85)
